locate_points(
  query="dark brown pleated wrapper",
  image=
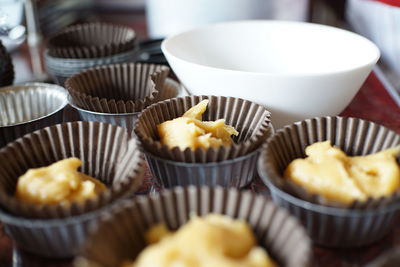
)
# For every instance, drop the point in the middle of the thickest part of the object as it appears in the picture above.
(330, 224)
(119, 236)
(127, 120)
(119, 88)
(28, 107)
(107, 154)
(251, 120)
(91, 40)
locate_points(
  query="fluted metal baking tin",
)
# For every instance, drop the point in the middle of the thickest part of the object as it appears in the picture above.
(237, 172)
(30, 107)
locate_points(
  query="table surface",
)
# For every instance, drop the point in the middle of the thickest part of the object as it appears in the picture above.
(371, 103)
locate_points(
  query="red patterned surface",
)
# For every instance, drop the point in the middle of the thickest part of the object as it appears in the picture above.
(395, 3)
(375, 104)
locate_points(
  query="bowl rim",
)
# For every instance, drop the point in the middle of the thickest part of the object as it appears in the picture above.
(333, 211)
(36, 85)
(169, 39)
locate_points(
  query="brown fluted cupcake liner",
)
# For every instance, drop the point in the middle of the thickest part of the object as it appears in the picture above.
(119, 88)
(119, 235)
(106, 152)
(354, 136)
(91, 40)
(251, 120)
(29, 107)
(328, 223)
(127, 120)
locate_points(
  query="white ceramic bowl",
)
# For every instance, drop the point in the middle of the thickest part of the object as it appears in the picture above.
(297, 70)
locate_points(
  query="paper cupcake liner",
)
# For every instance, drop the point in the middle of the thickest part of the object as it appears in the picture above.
(51, 238)
(120, 88)
(107, 154)
(119, 235)
(60, 69)
(238, 172)
(91, 40)
(28, 107)
(358, 224)
(126, 120)
(251, 120)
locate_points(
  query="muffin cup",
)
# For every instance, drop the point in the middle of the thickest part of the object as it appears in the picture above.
(127, 120)
(237, 172)
(28, 107)
(51, 238)
(120, 88)
(91, 40)
(124, 120)
(251, 120)
(119, 236)
(107, 154)
(356, 225)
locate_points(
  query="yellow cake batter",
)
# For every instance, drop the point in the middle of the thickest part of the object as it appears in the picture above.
(329, 172)
(190, 131)
(213, 240)
(59, 183)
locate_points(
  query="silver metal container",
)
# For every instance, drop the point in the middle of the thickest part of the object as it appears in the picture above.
(62, 68)
(237, 172)
(28, 107)
(125, 120)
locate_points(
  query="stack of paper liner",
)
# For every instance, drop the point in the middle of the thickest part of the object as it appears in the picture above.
(91, 40)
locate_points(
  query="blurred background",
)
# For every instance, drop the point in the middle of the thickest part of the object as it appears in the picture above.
(25, 24)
